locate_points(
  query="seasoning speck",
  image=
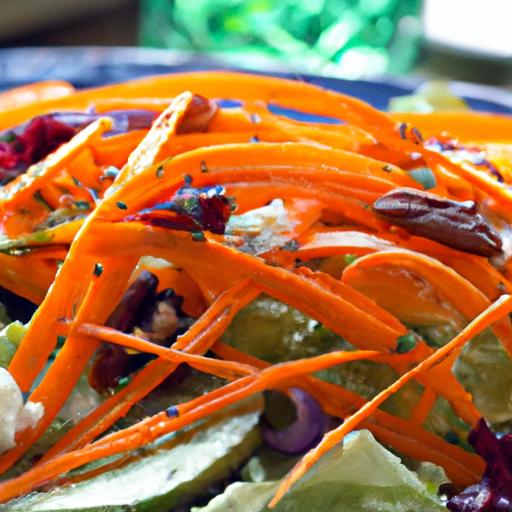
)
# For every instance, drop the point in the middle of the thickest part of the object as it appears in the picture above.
(121, 205)
(83, 206)
(98, 269)
(403, 130)
(160, 172)
(172, 412)
(405, 343)
(198, 236)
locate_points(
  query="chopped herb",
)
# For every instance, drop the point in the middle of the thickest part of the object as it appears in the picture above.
(403, 130)
(198, 236)
(291, 245)
(123, 382)
(111, 172)
(405, 343)
(172, 412)
(8, 137)
(254, 139)
(82, 205)
(187, 179)
(451, 437)
(417, 134)
(160, 172)
(204, 168)
(39, 198)
(387, 168)
(121, 205)
(348, 259)
(98, 269)
(76, 181)
(424, 176)
(60, 341)
(94, 193)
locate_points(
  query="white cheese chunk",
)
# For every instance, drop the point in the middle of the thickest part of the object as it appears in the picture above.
(262, 228)
(14, 414)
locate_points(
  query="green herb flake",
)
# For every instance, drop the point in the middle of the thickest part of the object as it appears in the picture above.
(83, 206)
(121, 205)
(160, 172)
(111, 172)
(291, 246)
(203, 167)
(387, 168)
(40, 199)
(348, 259)
(405, 343)
(424, 176)
(198, 236)
(60, 341)
(98, 269)
(8, 137)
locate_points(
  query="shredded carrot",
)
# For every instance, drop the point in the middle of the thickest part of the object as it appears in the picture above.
(497, 310)
(79, 210)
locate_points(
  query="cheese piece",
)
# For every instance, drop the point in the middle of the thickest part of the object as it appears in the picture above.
(14, 415)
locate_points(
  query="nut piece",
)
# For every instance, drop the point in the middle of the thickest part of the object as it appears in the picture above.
(453, 223)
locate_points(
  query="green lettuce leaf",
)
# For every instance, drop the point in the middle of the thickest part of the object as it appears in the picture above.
(428, 97)
(10, 338)
(163, 475)
(360, 476)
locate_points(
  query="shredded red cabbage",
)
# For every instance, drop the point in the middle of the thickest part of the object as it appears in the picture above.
(494, 492)
(40, 137)
(29, 143)
(191, 209)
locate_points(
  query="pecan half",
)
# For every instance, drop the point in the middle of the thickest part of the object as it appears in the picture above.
(197, 115)
(453, 223)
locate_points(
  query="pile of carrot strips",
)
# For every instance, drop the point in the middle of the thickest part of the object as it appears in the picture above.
(327, 171)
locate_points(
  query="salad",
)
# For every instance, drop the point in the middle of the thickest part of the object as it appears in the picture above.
(225, 291)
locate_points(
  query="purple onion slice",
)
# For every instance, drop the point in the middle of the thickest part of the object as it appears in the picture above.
(305, 432)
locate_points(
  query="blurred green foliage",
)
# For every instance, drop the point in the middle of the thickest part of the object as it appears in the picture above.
(338, 37)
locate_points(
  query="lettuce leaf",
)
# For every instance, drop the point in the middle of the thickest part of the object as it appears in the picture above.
(10, 338)
(161, 476)
(360, 476)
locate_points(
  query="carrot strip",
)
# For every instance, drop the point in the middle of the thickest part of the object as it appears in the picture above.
(466, 126)
(497, 310)
(458, 291)
(423, 407)
(62, 375)
(203, 333)
(154, 427)
(461, 466)
(229, 265)
(222, 369)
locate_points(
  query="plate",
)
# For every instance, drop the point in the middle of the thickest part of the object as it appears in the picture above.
(93, 66)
